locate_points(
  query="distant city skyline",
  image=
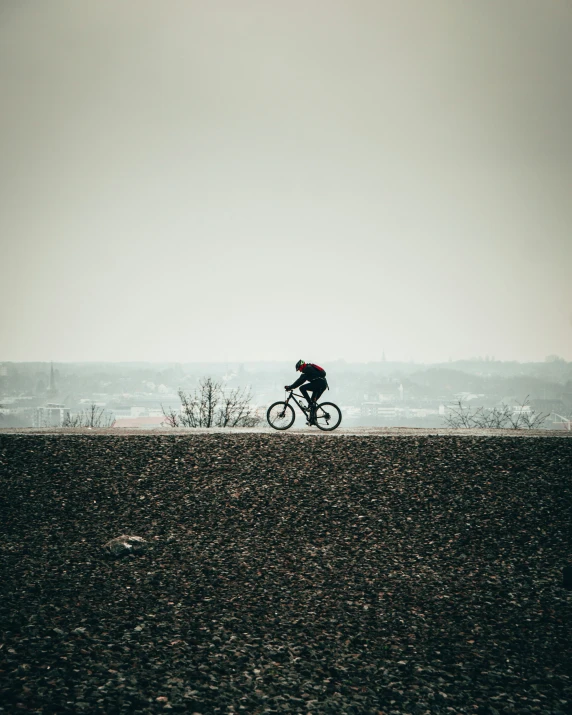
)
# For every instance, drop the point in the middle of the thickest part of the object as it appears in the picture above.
(143, 395)
(185, 181)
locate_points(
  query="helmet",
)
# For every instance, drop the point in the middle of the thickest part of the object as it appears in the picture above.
(300, 364)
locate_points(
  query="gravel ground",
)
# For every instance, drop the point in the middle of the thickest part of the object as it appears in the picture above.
(338, 574)
(340, 432)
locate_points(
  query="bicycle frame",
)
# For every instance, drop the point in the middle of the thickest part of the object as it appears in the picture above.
(293, 396)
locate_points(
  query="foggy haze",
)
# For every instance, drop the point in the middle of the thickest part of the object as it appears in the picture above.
(190, 181)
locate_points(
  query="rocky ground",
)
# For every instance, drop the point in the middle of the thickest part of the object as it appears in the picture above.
(286, 573)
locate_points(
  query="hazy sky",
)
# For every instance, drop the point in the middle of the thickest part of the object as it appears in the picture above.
(252, 179)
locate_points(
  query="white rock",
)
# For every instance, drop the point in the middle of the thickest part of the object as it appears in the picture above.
(125, 544)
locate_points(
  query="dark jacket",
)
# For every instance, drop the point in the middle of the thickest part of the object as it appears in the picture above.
(309, 373)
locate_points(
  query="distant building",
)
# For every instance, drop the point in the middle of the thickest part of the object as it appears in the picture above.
(52, 388)
(561, 422)
(377, 409)
(51, 415)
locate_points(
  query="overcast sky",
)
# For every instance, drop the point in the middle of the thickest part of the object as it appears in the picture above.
(252, 179)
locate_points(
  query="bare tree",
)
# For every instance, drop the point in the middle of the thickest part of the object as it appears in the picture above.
(190, 414)
(459, 415)
(211, 406)
(530, 419)
(500, 417)
(198, 408)
(93, 416)
(210, 398)
(236, 410)
(172, 418)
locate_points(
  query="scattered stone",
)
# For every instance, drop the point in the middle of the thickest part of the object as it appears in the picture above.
(567, 577)
(125, 544)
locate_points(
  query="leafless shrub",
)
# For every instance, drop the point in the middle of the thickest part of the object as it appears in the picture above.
(501, 417)
(236, 410)
(211, 406)
(172, 418)
(93, 416)
(531, 420)
(459, 415)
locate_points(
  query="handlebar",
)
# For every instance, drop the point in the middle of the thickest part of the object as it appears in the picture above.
(295, 394)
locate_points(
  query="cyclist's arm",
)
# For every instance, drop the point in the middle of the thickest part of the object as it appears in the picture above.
(300, 381)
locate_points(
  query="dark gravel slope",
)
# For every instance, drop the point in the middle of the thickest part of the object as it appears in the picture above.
(286, 574)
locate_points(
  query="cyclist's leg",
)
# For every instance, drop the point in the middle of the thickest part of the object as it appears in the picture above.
(309, 399)
(304, 391)
(317, 387)
(318, 390)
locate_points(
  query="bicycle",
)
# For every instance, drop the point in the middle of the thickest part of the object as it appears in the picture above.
(281, 415)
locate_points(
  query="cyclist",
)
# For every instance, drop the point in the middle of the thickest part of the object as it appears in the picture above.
(315, 376)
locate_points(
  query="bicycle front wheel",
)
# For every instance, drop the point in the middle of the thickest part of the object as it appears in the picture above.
(328, 416)
(280, 415)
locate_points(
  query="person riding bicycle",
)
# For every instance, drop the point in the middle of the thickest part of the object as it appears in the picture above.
(315, 376)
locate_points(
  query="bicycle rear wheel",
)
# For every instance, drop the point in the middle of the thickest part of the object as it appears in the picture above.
(280, 415)
(328, 416)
